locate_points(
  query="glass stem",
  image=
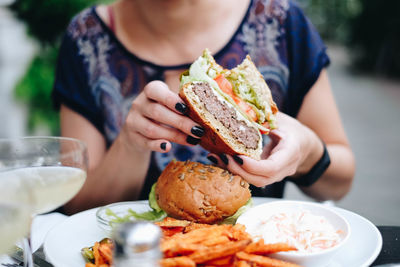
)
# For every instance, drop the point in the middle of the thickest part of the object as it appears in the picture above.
(28, 260)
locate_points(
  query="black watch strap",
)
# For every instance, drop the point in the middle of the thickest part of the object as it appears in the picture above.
(316, 171)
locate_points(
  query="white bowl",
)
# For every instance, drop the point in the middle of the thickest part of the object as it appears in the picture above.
(104, 221)
(253, 216)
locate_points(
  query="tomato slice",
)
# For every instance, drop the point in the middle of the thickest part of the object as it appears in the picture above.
(224, 84)
(247, 108)
(226, 87)
(265, 125)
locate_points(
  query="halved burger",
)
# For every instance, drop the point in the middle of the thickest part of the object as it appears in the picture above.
(234, 106)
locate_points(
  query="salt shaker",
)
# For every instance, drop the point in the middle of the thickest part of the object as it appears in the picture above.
(137, 244)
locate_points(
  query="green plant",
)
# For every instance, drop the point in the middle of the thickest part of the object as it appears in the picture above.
(35, 89)
(46, 21)
(332, 17)
(370, 28)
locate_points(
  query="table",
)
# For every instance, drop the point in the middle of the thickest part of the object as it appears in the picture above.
(390, 252)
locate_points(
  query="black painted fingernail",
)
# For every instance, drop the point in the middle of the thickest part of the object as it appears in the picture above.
(163, 146)
(197, 131)
(181, 107)
(224, 158)
(238, 159)
(212, 159)
(191, 140)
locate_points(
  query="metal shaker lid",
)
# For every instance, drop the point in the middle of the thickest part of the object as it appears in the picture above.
(136, 237)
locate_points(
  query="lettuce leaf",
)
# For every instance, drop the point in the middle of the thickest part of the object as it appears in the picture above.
(132, 215)
(232, 219)
(156, 214)
(153, 200)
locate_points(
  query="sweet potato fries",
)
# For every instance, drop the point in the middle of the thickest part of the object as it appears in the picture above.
(215, 245)
(191, 244)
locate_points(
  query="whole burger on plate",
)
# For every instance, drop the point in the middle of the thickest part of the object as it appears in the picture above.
(234, 106)
(201, 193)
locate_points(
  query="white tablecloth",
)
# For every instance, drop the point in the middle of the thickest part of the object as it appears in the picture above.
(40, 227)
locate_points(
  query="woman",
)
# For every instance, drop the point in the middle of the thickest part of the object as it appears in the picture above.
(118, 77)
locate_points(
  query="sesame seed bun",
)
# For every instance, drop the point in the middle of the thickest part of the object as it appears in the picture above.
(201, 193)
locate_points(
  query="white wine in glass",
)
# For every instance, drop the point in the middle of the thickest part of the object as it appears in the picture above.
(54, 169)
(15, 213)
(51, 186)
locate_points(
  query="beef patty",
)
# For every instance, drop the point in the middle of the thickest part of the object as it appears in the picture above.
(248, 136)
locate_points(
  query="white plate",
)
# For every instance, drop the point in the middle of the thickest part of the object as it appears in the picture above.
(63, 243)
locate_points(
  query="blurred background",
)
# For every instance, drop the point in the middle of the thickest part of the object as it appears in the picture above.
(363, 39)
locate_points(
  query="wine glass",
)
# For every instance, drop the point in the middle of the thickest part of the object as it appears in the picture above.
(15, 211)
(54, 169)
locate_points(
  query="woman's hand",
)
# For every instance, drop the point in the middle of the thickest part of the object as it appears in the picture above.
(293, 150)
(296, 147)
(156, 119)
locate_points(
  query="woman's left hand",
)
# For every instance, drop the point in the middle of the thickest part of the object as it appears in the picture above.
(293, 149)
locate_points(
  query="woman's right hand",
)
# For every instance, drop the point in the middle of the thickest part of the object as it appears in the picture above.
(157, 118)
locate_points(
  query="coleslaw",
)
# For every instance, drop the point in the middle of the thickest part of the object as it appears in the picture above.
(302, 229)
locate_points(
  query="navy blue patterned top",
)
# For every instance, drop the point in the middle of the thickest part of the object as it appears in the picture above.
(99, 78)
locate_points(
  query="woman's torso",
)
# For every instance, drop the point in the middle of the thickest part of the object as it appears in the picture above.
(116, 75)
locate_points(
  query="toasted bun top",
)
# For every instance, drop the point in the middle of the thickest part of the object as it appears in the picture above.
(257, 82)
(201, 193)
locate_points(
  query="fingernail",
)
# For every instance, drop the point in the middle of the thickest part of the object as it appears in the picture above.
(197, 131)
(212, 159)
(238, 159)
(163, 146)
(181, 107)
(191, 140)
(224, 158)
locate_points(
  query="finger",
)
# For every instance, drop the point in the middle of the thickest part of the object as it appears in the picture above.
(214, 159)
(276, 135)
(162, 114)
(154, 131)
(223, 157)
(159, 145)
(280, 160)
(235, 168)
(284, 154)
(279, 165)
(158, 91)
(254, 179)
(268, 148)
